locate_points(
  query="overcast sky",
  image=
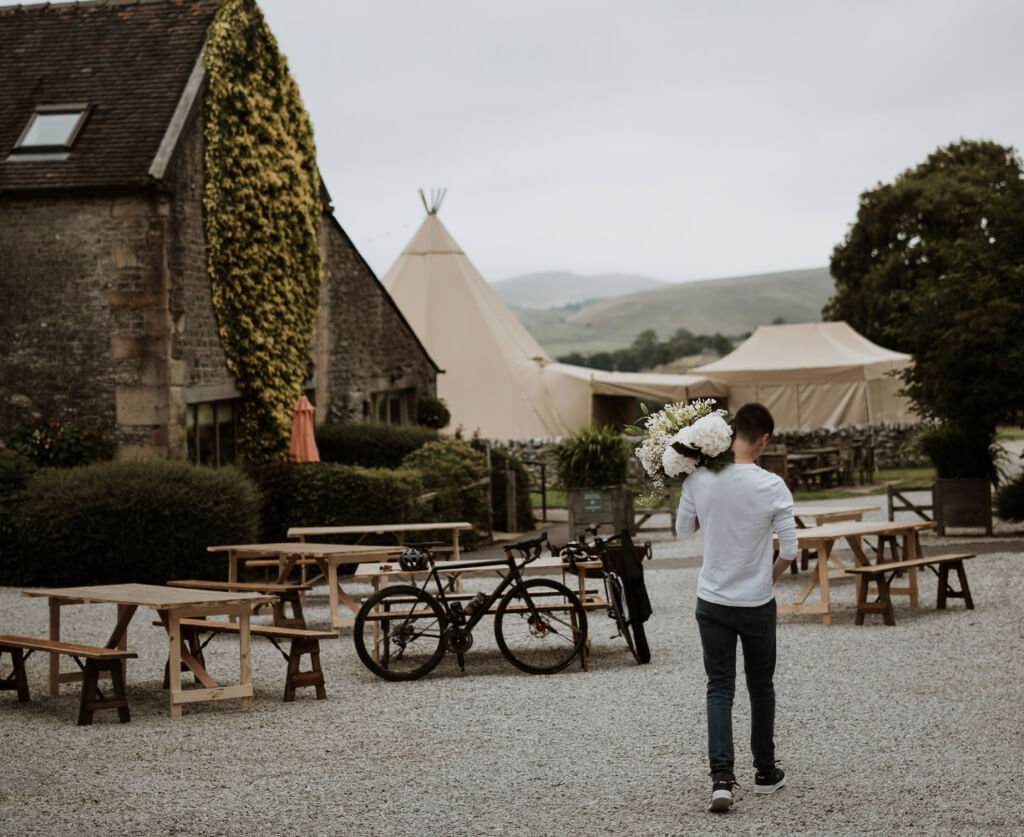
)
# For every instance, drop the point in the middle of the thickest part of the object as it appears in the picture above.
(680, 140)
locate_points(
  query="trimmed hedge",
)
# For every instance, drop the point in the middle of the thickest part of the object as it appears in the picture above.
(448, 466)
(324, 494)
(128, 521)
(15, 472)
(371, 445)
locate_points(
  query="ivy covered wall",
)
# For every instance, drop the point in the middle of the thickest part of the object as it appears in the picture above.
(262, 212)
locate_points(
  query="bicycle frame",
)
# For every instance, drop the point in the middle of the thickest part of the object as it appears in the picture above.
(513, 577)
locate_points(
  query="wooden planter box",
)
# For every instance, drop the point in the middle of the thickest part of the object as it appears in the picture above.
(611, 506)
(962, 502)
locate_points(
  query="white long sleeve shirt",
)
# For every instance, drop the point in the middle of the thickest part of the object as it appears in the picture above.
(738, 508)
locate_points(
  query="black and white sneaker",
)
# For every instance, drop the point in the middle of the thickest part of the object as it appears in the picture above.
(721, 795)
(769, 781)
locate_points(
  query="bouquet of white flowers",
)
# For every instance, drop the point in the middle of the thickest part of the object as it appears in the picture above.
(681, 438)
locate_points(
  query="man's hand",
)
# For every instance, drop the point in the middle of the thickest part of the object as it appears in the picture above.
(779, 567)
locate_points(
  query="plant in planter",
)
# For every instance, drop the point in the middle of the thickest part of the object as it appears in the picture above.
(592, 466)
(1010, 500)
(965, 469)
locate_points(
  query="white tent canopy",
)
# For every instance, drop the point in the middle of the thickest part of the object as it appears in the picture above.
(815, 375)
(497, 379)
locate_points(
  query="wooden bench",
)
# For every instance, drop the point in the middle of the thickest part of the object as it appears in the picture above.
(288, 593)
(882, 575)
(97, 660)
(822, 476)
(302, 642)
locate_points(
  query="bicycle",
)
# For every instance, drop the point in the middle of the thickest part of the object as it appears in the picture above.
(402, 631)
(624, 586)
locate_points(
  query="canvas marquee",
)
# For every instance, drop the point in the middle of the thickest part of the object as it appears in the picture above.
(815, 375)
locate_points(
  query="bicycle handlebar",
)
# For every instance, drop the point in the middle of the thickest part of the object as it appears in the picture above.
(526, 547)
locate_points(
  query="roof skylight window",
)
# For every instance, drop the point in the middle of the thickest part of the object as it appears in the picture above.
(52, 128)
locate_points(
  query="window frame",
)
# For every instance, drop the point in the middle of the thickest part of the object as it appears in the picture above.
(80, 108)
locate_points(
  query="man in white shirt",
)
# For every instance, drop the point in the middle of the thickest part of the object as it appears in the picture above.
(738, 509)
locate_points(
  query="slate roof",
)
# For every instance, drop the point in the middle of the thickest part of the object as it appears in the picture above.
(129, 61)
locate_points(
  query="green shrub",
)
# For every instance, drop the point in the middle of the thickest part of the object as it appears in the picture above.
(1010, 500)
(61, 444)
(325, 494)
(128, 521)
(592, 458)
(432, 412)
(370, 445)
(956, 455)
(450, 467)
(524, 520)
(15, 471)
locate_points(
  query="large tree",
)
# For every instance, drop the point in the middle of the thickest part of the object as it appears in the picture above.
(934, 266)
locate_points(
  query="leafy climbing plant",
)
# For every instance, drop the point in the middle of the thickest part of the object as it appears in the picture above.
(262, 212)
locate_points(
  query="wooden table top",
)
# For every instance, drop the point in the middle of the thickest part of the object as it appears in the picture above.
(545, 562)
(857, 528)
(376, 528)
(300, 548)
(823, 510)
(157, 596)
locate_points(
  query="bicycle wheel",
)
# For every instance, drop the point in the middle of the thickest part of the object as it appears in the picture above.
(617, 609)
(399, 632)
(540, 626)
(643, 650)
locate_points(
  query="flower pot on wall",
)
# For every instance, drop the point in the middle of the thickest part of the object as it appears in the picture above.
(611, 507)
(965, 502)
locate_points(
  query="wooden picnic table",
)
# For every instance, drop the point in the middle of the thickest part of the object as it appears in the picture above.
(814, 465)
(806, 515)
(398, 530)
(172, 605)
(817, 515)
(327, 556)
(823, 538)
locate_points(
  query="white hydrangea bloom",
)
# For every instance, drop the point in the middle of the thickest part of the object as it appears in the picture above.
(711, 435)
(675, 464)
(672, 423)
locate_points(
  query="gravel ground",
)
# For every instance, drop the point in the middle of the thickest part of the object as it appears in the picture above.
(912, 729)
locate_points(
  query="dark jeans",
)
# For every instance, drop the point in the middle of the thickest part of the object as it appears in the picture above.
(720, 625)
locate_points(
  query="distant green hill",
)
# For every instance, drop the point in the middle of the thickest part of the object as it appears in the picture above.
(556, 288)
(731, 306)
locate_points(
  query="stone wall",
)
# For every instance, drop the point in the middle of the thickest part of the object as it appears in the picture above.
(891, 444)
(76, 278)
(366, 343)
(108, 319)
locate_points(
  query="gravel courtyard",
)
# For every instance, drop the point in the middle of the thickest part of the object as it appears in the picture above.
(912, 729)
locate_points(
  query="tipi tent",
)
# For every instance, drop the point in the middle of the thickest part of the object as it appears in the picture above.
(497, 379)
(815, 375)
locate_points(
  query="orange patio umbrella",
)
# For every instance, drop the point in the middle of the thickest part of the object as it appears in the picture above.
(303, 447)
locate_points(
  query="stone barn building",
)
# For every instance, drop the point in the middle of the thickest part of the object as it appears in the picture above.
(106, 316)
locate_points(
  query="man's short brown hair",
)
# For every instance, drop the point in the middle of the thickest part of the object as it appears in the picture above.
(752, 421)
